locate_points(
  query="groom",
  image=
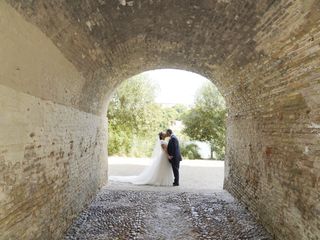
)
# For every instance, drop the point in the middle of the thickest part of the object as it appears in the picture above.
(174, 155)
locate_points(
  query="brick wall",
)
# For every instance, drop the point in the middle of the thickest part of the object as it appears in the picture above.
(52, 163)
(52, 155)
(273, 132)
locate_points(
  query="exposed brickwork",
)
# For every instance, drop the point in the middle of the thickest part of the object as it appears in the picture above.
(273, 133)
(263, 55)
(52, 156)
(51, 165)
(106, 40)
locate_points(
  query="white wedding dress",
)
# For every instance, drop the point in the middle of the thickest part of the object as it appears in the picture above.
(159, 172)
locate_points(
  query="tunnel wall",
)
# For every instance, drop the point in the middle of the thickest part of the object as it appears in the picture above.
(273, 152)
(52, 155)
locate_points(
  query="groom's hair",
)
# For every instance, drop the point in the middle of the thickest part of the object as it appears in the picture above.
(169, 131)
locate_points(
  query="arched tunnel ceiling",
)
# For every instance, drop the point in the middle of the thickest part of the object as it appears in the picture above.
(109, 41)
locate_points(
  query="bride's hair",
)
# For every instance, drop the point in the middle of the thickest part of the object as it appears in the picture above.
(160, 135)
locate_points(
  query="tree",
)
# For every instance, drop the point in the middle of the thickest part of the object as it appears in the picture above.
(131, 114)
(206, 120)
(190, 150)
(135, 119)
(180, 110)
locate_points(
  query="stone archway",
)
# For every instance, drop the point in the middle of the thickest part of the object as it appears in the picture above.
(61, 60)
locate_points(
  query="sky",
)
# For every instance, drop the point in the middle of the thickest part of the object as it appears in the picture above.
(176, 86)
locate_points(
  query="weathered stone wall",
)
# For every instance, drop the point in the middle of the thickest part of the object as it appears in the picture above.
(52, 156)
(274, 128)
(262, 55)
(52, 163)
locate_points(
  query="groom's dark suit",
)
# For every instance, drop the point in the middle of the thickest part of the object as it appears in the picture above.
(174, 151)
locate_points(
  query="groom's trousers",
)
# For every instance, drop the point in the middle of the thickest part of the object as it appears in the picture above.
(175, 169)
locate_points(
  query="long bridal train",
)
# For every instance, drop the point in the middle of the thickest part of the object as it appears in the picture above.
(159, 172)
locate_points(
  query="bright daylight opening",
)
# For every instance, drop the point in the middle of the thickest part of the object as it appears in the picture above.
(154, 101)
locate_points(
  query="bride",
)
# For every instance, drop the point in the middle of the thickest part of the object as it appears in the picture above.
(159, 172)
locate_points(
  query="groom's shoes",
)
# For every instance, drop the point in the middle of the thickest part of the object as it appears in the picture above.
(175, 184)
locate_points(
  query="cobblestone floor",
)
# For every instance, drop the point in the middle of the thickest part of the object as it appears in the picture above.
(121, 213)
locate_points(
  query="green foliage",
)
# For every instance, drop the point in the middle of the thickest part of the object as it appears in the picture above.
(131, 113)
(180, 110)
(190, 151)
(206, 120)
(135, 119)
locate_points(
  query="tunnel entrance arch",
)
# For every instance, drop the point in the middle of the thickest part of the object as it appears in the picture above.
(158, 100)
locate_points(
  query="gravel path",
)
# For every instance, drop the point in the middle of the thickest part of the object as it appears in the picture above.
(197, 209)
(136, 214)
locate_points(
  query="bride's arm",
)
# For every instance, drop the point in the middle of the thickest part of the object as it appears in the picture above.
(164, 147)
